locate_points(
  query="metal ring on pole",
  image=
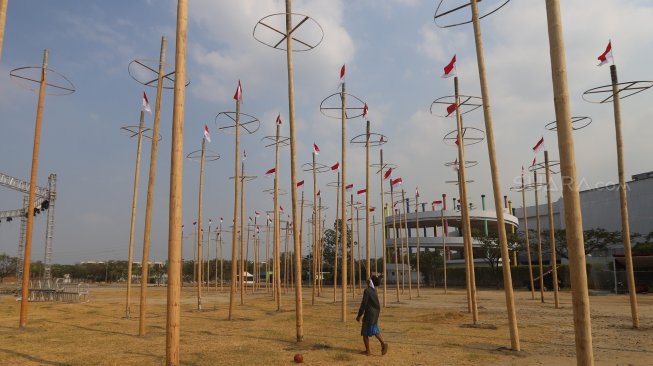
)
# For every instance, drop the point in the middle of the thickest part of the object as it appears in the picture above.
(283, 141)
(319, 168)
(271, 191)
(629, 88)
(139, 70)
(334, 184)
(275, 24)
(467, 103)
(250, 124)
(577, 123)
(456, 182)
(58, 87)
(132, 131)
(209, 155)
(471, 134)
(441, 11)
(542, 166)
(376, 139)
(533, 186)
(385, 166)
(468, 163)
(246, 178)
(329, 111)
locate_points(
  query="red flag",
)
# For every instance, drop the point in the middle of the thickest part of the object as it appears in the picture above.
(300, 183)
(539, 145)
(194, 222)
(349, 186)
(457, 140)
(450, 68)
(318, 193)
(365, 111)
(396, 181)
(239, 93)
(316, 149)
(451, 108)
(361, 191)
(387, 174)
(372, 209)
(278, 121)
(416, 191)
(146, 104)
(342, 74)
(257, 213)
(335, 166)
(281, 208)
(438, 202)
(207, 136)
(271, 171)
(607, 54)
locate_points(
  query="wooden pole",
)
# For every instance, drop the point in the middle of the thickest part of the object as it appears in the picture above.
(394, 232)
(234, 232)
(208, 257)
(315, 223)
(218, 240)
(570, 194)
(352, 265)
(496, 184)
(32, 195)
(320, 229)
(267, 255)
(407, 252)
(343, 199)
(444, 247)
(623, 197)
(242, 232)
(301, 222)
(376, 258)
(368, 266)
(200, 230)
(552, 238)
(176, 169)
(335, 255)
(539, 236)
(383, 233)
(401, 249)
(358, 248)
(417, 234)
(299, 307)
(221, 260)
(526, 236)
(154, 148)
(133, 218)
(3, 18)
(195, 235)
(246, 257)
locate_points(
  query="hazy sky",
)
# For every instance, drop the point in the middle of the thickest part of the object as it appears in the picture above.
(394, 55)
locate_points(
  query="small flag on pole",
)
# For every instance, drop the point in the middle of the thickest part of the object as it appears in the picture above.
(365, 110)
(416, 191)
(316, 149)
(396, 181)
(318, 193)
(382, 139)
(349, 186)
(388, 174)
(278, 121)
(361, 191)
(250, 219)
(449, 70)
(451, 108)
(607, 54)
(335, 166)
(300, 183)
(342, 74)
(539, 145)
(372, 209)
(534, 160)
(270, 171)
(221, 220)
(146, 104)
(281, 208)
(207, 136)
(256, 213)
(239, 93)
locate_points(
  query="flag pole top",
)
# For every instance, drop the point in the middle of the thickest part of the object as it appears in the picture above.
(306, 33)
(603, 94)
(132, 131)
(468, 163)
(376, 139)
(450, 13)
(280, 191)
(471, 136)
(577, 123)
(331, 106)
(226, 122)
(272, 141)
(146, 72)
(209, 155)
(466, 104)
(319, 168)
(29, 77)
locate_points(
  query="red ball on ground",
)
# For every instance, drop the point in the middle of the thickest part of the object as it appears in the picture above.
(299, 358)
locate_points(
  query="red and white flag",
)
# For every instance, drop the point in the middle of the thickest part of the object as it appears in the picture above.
(342, 74)
(349, 186)
(396, 181)
(539, 145)
(270, 171)
(239, 93)
(335, 166)
(300, 183)
(269, 219)
(361, 191)
(607, 54)
(316, 149)
(207, 135)
(450, 69)
(451, 108)
(456, 165)
(387, 174)
(372, 209)
(146, 104)
(457, 140)
(221, 220)
(416, 191)
(365, 110)
(257, 213)
(278, 121)
(318, 193)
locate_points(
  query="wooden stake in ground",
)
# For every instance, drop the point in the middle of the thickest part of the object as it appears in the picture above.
(552, 238)
(27, 255)
(623, 197)
(394, 231)
(539, 235)
(570, 194)
(496, 184)
(175, 203)
(383, 231)
(343, 199)
(154, 148)
(234, 232)
(417, 234)
(132, 225)
(526, 236)
(200, 230)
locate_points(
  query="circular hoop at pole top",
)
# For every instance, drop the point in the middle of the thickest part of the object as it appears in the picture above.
(384, 166)
(457, 182)
(56, 85)
(542, 166)
(451, 9)
(319, 168)
(629, 88)
(467, 104)
(577, 123)
(376, 139)
(471, 134)
(271, 31)
(132, 131)
(331, 106)
(209, 155)
(146, 72)
(226, 122)
(272, 141)
(246, 178)
(533, 186)
(334, 184)
(468, 163)
(271, 191)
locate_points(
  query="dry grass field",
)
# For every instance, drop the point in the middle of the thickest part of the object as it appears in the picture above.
(429, 330)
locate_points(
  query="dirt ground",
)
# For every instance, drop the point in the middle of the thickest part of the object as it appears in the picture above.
(432, 329)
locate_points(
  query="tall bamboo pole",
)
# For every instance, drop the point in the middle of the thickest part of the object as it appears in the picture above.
(195, 236)
(175, 205)
(623, 197)
(383, 231)
(234, 232)
(444, 245)
(376, 258)
(401, 249)
(407, 252)
(394, 231)
(343, 199)
(154, 148)
(3, 18)
(552, 238)
(358, 248)
(539, 236)
(133, 218)
(221, 259)
(267, 254)
(218, 241)
(367, 199)
(315, 223)
(32, 194)
(299, 307)
(276, 286)
(573, 219)
(496, 185)
(417, 234)
(335, 265)
(320, 229)
(301, 221)
(200, 230)
(245, 259)
(242, 232)
(526, 236)
(351, 262)
(208, 257)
